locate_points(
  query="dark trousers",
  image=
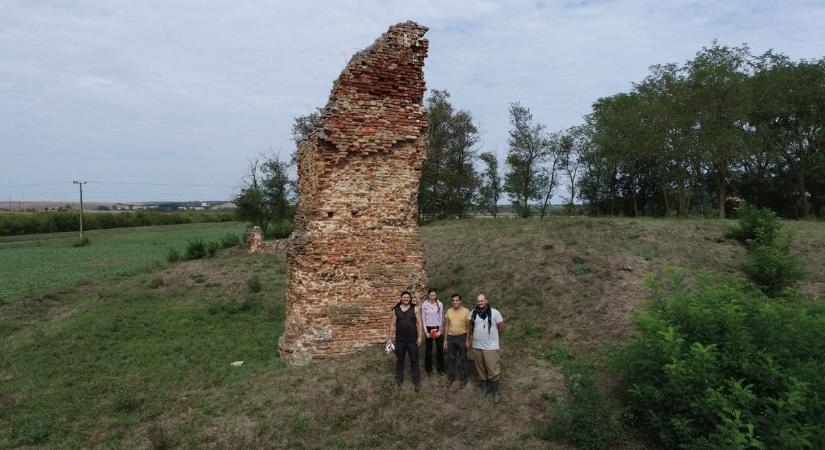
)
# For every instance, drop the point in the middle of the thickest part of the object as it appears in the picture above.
(457, 356)
(402, 349)
(439, 352)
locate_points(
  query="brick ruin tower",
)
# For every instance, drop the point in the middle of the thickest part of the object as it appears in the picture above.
(356, 244)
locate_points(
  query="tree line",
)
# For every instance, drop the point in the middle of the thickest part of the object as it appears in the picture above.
(692, 138)
(723, 127)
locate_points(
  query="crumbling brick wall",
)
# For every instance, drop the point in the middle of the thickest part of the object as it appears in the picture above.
(356, 244)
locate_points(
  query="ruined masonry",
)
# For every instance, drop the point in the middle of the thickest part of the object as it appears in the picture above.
(356, 244)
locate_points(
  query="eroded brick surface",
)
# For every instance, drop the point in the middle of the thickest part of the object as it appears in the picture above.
(356, 244)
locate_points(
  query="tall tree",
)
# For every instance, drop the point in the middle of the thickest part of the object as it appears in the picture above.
(448, 177)
(250, 200)
(717, 78)
(528, 147)
(266, 192)
(573, 143)
(550, 169)
(489, 190)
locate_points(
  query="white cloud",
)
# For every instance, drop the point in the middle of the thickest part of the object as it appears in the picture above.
(184, 91)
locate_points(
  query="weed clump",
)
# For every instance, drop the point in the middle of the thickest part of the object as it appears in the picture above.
(254, 284)
(173, 256)
(195, 249)
(83, 242)
(769, 264)
(755, 226)
(230, 240)
(719, 365)
(278, 230)
(212, 247)
(585, 415)
(773, 269)
(155, 283)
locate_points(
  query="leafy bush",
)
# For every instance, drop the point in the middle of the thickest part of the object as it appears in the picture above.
(773, 269)
(230, 240)
(83, 242)
(721, 366)
(212, 247)
(195, 249)
(585, 416)
(254, 284)
(278, 230)
(756, 226)
(173, 256)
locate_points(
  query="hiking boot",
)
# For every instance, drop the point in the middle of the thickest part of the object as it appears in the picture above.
(462, 383)
(449, 382)
(485, 388)
(417, 387)
(496, 392)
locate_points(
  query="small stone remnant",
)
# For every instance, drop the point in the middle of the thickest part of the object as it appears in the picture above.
(257, 244)
(356, 245)
(254, 238)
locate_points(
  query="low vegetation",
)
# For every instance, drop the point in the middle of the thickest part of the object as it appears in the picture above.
(719, 365)
(64, 221)
(35, 265)
(144, 359)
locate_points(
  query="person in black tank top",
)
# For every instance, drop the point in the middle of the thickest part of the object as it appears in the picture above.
(405, 323)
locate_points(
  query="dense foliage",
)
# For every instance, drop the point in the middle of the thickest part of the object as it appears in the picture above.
(58, 221)
(267, 192)
(449, 180)
(724, 124)
(722, 366)
(585, 415)
(755, 226)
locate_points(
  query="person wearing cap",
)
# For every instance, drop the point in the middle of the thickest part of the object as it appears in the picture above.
(485, 327)
(405, 326)
(455, 327)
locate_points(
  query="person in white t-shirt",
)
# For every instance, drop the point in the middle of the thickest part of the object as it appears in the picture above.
(484, 330)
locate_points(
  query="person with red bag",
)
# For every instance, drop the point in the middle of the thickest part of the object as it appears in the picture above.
(432, 315)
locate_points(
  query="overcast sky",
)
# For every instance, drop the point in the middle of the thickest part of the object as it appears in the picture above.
(161, 94)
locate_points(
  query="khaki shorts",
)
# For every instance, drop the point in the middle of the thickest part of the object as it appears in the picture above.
(488, 364)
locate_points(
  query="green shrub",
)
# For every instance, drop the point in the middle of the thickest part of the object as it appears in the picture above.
(580, 269)
(173, 255)
(15, 224)
(557, 354)
(195, 249)
(585, 415)
(230, 240)
(278, 230)
(756, 226)
(721, 366)
(83, 242)
(155, 283)
(254, 284)
(212, 247)
(773, 269)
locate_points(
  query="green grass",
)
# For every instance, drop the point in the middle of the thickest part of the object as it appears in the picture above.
(85, 367)
(37, 264)
(143, 360)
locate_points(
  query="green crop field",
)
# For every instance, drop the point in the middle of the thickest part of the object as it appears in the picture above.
(36, 264)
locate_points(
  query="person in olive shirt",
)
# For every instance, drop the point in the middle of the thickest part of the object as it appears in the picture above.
(456, 330)
(405, 323)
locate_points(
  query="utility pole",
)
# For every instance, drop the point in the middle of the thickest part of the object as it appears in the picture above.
(80, 183)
